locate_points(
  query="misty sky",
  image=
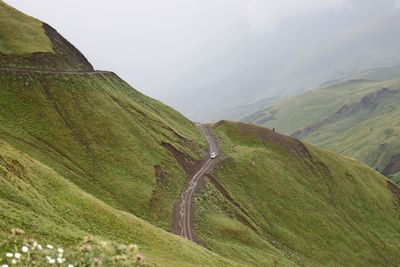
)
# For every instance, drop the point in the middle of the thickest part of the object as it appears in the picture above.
(154, 43)
(150, 43)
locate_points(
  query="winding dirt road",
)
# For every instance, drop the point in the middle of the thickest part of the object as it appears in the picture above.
(186, 205)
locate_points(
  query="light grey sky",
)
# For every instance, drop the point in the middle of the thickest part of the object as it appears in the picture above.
(152, 43)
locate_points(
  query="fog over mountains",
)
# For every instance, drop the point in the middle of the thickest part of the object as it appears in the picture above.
(303, 52)
(226, 59)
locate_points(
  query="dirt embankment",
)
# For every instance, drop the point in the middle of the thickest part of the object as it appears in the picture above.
(190, 167)
(396, 192)
(185, 161)
(393, 166)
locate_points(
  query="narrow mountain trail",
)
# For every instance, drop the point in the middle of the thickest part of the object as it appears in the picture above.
(22, 70)
(186, 212)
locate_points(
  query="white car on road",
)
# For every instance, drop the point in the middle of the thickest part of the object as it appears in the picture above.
(213, 155)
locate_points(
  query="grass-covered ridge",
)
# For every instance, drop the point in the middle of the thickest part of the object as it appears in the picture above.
(83, 155)
(21, 34)
(358, 118)
(277, 201)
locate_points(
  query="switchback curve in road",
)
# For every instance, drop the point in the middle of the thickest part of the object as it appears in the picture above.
(185, 219)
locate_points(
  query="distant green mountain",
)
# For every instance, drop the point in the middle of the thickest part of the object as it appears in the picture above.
(358, 118)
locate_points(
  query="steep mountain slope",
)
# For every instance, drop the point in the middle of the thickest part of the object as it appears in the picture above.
(95, 151)
(98, 132)
(275, 201)
(83, 153)
(358, 118)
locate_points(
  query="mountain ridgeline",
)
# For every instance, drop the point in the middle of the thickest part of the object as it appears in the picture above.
(358, 118)
(83, 153)
(27, 43)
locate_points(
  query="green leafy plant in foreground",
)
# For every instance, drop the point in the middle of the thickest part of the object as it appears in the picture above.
(21, 251)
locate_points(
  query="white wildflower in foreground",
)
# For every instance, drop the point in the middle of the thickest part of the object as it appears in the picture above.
(133, 247)
(103, 244)
(91, 252)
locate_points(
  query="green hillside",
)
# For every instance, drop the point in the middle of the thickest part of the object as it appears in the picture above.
(80, 154)
(52, 209)
(99, 133)
(276, 202)
(358, 118)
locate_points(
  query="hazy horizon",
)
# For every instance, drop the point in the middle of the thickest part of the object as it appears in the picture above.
(165, 49)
